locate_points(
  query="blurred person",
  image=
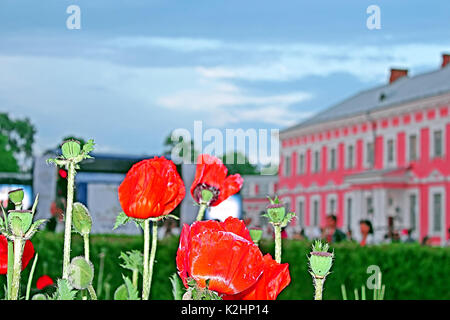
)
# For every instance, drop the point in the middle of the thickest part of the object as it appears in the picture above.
(426, 241)
(331, 233)
(409, 238)
(349, 235)
(366, 231)
(448, 237)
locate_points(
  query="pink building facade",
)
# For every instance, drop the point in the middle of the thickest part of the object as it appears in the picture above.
(381, 155)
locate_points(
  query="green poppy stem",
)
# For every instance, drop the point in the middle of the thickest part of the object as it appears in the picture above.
(30, 277)
(145, 274)
(318, 285)
(68, 218)
(86, 246)
(135, 278)
(10, 268)
(277, 243)
(17, 268)
(92, 292)
(201, 212)
(153, 253)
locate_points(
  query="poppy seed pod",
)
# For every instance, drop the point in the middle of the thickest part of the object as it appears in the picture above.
(320, 260)
(71, 149)
(320, 263)
(256, 235)
(16, 196)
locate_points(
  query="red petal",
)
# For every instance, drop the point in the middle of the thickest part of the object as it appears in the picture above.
(44, 281)
(151, 188)
(27, 255)
(274, 279)
(231, 185)
(231, 263)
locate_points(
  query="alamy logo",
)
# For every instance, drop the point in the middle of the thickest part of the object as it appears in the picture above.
(262, 145)
(74, 20)
(374, 20)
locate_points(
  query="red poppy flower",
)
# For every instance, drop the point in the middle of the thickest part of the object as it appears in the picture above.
(211, 174)
(152, 188)
(221, 252)
(274, 279)
(44, 281)
(27, 255)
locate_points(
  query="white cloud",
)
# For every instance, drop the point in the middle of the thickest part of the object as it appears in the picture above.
(294, 60)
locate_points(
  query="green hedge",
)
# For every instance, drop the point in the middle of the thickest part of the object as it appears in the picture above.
(410, 271)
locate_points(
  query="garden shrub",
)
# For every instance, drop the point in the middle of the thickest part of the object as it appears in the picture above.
(409, 271)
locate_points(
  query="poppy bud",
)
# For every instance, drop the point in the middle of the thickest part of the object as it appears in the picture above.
(81, 273)
(81, 219)
(20, 221)
(256, 235)
(71, 149)
(16, 196)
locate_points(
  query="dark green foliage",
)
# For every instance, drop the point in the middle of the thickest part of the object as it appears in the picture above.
(16, 142)
(410, 271)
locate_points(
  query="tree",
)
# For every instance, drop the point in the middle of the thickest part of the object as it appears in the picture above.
(7, 161)
(236, 162)
(19, 141)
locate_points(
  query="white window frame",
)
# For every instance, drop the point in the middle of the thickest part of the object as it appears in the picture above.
(301, 169)
(346, 222)
(330, 168)
(366, 209)
(366, 153)
(301, 199)
(313, 158)
(286, 157)
(311, 208)
(330, 197)
(433, 129)
(415, 192)
(392, 164)
(347, 156)
(432, 191)
(408, 146)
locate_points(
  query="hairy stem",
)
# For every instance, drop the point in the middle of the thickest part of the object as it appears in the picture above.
(135, 278)
(277, 243)
(201, 212)
(145, 275)
(318, 285)
(86, 246)
(92, 292)
(152, 253)
(17, 268)
(68, 218)
(10, 268)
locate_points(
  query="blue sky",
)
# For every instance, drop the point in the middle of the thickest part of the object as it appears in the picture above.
(138, 69)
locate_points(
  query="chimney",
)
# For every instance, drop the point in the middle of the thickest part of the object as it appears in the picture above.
(445, 59)
(397, 74)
